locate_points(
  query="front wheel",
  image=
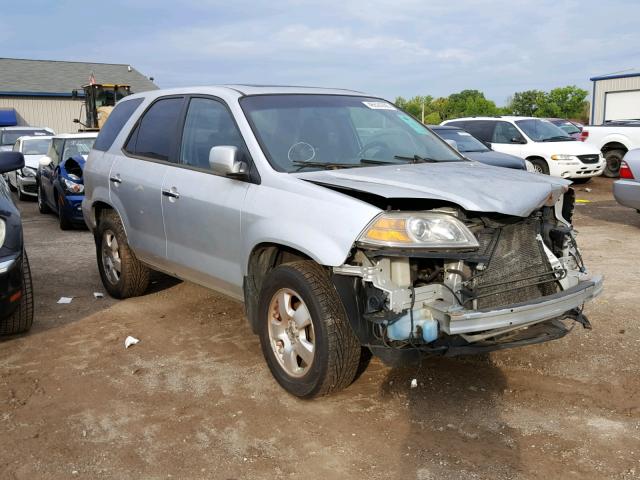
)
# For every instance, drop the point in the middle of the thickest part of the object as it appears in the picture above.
(63, 221)
(42, 206)
(122, 274)
(305, 335)
(22, 318)
(540, 166)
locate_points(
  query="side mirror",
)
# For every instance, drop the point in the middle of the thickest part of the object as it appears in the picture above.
(10, 161)
(45, 161)
(453, 143)
(223, 160)
(518, 140)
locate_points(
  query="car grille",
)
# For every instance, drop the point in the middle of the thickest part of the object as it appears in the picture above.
(589, 158)
(518, 270)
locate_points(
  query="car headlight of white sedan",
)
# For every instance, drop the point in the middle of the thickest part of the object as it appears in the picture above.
(418, 230)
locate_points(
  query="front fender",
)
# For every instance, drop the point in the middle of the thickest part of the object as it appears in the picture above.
(616, 138)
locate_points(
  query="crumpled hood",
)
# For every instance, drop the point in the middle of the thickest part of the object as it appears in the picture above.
(471, 185)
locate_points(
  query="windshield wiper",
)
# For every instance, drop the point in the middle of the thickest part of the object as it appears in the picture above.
(558, 138)
(416, 159)
(325, 165)
(377, 162)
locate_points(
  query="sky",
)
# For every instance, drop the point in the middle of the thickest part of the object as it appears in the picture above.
(388, 48)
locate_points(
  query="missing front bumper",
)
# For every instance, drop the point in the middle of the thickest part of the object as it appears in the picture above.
(480, 324)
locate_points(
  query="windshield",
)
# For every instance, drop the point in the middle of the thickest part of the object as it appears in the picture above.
(36, 146)
(324, 131)
(542, 130)
(567, 126)
(9, 137)
(465, 142)
(77, 146)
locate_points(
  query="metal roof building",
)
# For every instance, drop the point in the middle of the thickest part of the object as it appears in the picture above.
(39, 91)
(615, 97)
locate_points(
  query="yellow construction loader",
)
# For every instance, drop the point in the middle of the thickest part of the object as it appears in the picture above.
(99, 100)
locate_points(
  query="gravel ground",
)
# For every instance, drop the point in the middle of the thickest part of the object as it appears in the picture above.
(194, 398)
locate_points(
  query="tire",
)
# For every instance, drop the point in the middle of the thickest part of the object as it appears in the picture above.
(63, 221)
(42, 206)
(21, 320)
(132, 279)
(336, 352)
(580, 181)
(540, 165)
(613, 158)
(21, 196)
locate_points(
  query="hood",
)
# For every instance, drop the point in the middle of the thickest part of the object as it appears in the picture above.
(569, 147)
(497, 159)
(32, 160)
(471, 185)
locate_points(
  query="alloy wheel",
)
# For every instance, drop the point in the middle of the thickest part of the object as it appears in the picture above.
(111, 261)
(291, 332)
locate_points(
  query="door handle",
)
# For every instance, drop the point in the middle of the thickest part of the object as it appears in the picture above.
(116, 178)
(170, 193)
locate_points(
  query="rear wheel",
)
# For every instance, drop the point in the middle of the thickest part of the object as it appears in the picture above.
(614, 159)
(42, 206)
(21, 320)
(122, 274)
(540, 166)
(305, 335)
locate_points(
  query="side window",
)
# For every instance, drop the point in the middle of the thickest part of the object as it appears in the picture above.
(208, 124)
(155, 134)
(506, 132)
(56, 150)
(481, 129)
(119, 116)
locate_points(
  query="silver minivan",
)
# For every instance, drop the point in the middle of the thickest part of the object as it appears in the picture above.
(344, 225)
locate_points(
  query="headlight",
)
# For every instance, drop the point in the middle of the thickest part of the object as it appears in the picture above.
(562, 156)
(418, 230)
(28, 172)
(3, 231)
(72, 187)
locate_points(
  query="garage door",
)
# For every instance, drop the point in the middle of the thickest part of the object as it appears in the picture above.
(622, 105)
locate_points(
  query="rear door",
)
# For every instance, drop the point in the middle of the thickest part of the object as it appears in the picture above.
(136, 177)
(201, 209)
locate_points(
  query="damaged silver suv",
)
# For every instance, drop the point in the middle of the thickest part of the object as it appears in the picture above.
(344, 225)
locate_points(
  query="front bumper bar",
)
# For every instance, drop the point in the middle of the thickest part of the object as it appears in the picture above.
(457, 320)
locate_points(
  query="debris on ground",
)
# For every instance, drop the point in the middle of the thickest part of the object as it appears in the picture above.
(130, 341)
(65, 300)
(414, 383)
(588, 190)
(98, 295)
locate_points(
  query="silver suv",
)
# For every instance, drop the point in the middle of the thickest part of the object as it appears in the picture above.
(344, 225)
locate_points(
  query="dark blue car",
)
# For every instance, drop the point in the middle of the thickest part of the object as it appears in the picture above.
(60, 178)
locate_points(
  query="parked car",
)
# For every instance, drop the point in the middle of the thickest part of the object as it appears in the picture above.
(24, 180)
(9, 135)
(60, 177)
(338, 247)
(627, 190)
(16, 292)
(614, 139)
(474, 149)
(547, 147)
(572, 129)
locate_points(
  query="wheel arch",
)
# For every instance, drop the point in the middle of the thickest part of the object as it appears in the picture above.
(98, 208)
(263, 258)
(613, 145)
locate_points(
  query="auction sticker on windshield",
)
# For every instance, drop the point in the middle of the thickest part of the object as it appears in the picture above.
(379, 105)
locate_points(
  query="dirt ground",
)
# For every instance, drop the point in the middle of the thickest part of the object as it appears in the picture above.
(194, 399)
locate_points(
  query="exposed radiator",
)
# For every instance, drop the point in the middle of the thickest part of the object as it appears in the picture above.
(518, 270)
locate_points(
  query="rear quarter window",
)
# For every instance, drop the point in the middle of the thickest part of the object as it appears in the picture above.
(119, 116)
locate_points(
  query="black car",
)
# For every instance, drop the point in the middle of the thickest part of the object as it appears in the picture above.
(474, 149)
(16, 292)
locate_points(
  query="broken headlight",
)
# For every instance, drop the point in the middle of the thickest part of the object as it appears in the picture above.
(418, 230)
(72, 187)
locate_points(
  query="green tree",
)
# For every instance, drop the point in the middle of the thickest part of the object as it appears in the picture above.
(469, 103)
(564, 102)
(526, 103)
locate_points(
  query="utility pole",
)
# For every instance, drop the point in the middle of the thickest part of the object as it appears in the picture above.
(422, 109)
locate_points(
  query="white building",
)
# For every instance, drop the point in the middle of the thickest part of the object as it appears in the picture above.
(615, 97)
(38, 92)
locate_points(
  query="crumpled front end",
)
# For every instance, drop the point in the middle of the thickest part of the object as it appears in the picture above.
(523, 282)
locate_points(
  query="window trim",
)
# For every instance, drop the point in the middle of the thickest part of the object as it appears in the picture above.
(140, 101)
(253, 176)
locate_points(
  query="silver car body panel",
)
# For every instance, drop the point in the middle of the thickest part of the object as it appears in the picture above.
(471, 185)
(627, 191)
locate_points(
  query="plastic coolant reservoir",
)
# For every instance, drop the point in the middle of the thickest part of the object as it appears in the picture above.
(401, 328)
